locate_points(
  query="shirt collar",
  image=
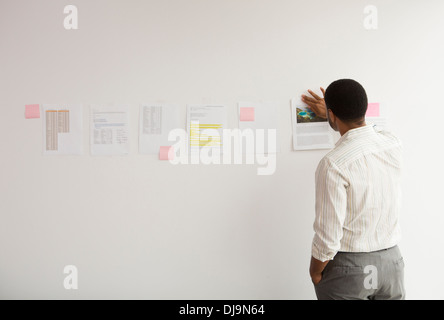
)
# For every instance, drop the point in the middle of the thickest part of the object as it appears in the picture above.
(358, 132)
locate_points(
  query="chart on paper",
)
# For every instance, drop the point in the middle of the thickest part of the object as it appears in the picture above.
(156, 123)
(62, 130)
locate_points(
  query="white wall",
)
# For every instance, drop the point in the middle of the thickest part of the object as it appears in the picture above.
(139, 228)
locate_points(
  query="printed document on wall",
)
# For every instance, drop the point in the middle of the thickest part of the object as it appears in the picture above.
(156, 122)
(62, 129)
(205, 126)
(309, 131)
(262, 120)
(380, 123)
(109, 130)
(376, 116)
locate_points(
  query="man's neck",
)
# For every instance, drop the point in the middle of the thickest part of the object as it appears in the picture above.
(346, 127)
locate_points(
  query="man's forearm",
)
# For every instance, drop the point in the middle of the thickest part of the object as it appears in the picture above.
(316, 267)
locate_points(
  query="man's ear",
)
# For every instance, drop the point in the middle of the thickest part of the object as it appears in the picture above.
(332, 120)
(331, 116)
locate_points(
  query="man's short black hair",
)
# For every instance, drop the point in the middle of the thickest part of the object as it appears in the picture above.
(347, 99)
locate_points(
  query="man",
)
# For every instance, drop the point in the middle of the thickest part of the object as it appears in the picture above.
(354, 251)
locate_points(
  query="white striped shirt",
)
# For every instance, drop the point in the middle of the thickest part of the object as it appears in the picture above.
(358, 194)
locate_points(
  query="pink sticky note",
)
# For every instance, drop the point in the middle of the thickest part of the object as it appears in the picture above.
(373, 110)
(166, 153)
(32, 111)
(246, 114)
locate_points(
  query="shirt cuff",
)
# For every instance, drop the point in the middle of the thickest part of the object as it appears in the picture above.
(321, 256)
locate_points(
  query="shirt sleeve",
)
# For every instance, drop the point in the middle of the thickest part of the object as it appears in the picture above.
(331, 207)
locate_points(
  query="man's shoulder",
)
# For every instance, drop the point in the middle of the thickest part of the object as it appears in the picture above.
(390, 138)
(334, 156)
(351, 150)
(327, 162)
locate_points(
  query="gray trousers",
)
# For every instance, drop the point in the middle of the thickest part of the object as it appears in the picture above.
(375, 275)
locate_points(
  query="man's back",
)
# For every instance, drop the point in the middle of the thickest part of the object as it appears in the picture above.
(358, 193)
